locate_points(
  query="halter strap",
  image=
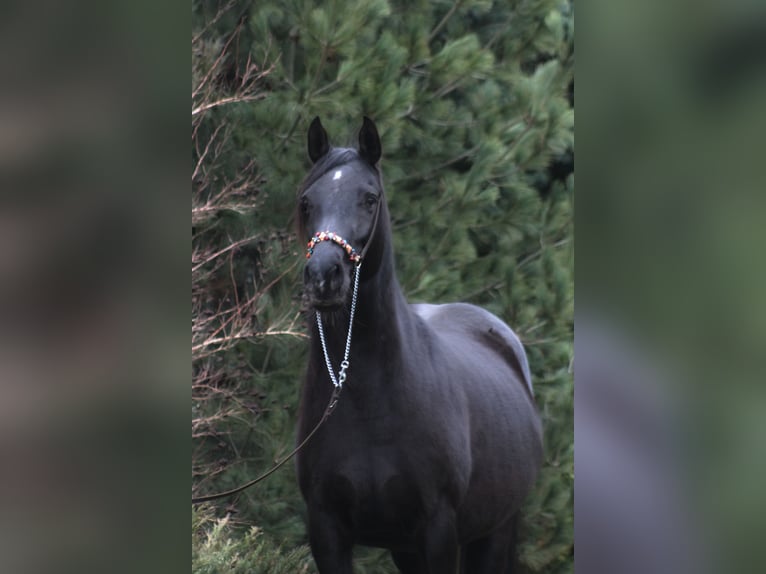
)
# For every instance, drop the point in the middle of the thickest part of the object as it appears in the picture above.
(320, 236)
(357, 258)
(374, 227)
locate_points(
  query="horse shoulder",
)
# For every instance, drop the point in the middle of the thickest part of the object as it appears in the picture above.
(481, 326)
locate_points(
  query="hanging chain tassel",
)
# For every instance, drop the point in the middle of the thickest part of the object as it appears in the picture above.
(341, 378)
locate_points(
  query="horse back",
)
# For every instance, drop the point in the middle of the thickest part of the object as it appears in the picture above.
(467, 323)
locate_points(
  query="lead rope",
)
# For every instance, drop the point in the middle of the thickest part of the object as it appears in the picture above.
(341, 378)
(337, 384)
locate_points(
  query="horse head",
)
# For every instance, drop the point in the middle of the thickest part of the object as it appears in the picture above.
(338, 210)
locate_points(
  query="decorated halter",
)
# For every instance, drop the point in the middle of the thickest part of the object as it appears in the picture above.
(356, 258)
(320, 236)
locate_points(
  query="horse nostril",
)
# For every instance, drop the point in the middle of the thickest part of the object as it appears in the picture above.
(323, 275)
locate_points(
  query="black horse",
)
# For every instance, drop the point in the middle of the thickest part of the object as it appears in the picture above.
(435, 440)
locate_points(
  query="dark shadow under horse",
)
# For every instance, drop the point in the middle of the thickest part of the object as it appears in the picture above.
(435, 440)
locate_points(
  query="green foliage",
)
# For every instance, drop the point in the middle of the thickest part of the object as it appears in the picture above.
(218, 549)
(471, 101)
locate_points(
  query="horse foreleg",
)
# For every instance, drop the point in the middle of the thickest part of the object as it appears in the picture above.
(409, 563)
(441, 546)
(492, 554)
(331, 544)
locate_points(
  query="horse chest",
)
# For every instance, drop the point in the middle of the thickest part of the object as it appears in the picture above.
(383, 478)
(384, 502)
(372, 463)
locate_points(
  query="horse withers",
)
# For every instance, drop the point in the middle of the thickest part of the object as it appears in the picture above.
(435, 439)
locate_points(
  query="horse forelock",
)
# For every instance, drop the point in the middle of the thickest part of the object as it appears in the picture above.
(336, 157)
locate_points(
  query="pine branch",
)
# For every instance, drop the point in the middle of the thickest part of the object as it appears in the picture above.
(444, 20)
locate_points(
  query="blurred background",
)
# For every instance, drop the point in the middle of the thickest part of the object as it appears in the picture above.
(474, 104)
(94, 281)
(671, 322)
(94, 363)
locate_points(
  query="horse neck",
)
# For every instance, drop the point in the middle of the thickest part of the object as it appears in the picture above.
(382, 309)
(382, 318)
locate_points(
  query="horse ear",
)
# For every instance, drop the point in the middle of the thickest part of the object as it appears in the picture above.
(369, 141)
(318, 144)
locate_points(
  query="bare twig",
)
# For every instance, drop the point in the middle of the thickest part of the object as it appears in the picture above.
(213, 20)
(224, 101)
(220, 252)
(228, 295)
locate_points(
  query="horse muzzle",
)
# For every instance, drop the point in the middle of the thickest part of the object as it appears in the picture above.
(327, 277)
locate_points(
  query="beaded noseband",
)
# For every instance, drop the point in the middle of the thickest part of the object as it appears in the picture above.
(320, 236)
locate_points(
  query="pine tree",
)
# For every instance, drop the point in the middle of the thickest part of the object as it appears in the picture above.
(473, 101)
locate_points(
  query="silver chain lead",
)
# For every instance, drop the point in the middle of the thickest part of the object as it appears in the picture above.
(338, 382)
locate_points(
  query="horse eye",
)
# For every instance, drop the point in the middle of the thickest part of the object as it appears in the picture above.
(371, 200)
(304, 206)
